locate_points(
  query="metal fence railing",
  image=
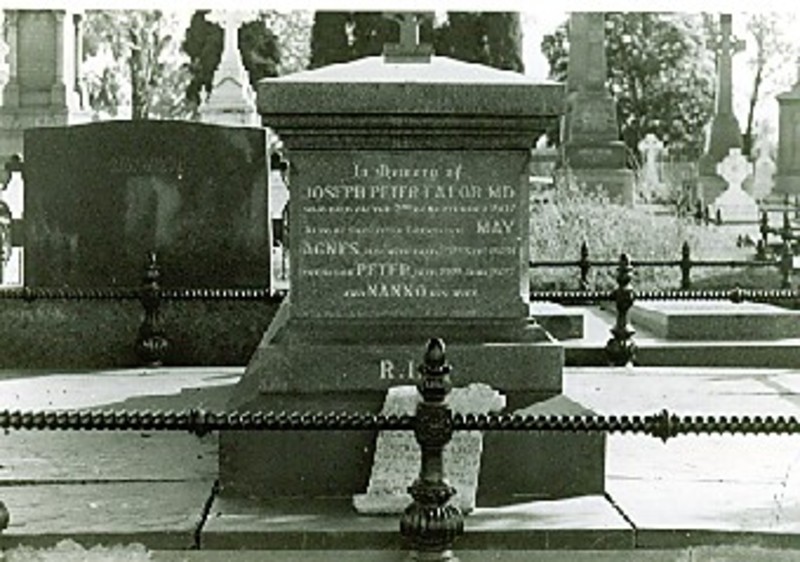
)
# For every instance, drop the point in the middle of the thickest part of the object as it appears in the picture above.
(152, 341)
(784, 264)
(429, 524)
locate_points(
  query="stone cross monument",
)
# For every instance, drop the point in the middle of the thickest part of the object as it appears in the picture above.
(592, 152)
(725, 132)
(232, 100)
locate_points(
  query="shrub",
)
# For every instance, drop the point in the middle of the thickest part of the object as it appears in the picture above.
(574, 214)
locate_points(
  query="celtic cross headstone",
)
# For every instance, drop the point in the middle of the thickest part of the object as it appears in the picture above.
(735, 205)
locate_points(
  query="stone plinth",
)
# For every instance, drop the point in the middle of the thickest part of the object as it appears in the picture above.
(43, 87)
(562, 322)
(592, 155)
(716, 320)
(408, 220)
(397, 453)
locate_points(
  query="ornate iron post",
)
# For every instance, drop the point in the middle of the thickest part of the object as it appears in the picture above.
(786, 228)
(620, 349)
(584, 264)
(761, 250)
(151, 343)
(786, 264)
(686, 266)
(763, 227)
(430, 525)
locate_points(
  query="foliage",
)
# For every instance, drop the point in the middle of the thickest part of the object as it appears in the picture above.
(132, 59)
(490, 38)
(293, 31)
(575, 214)
(203, 43)
(660, 72)
(773, 52)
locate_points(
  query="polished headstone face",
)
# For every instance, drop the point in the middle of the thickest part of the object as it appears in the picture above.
(100, 196)
(408, 234)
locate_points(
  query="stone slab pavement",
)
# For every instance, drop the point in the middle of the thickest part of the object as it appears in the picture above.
(665, 501)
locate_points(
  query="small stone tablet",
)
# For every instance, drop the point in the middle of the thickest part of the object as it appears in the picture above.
(397, 455)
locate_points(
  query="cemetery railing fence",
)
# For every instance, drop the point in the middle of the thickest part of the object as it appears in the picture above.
(152, 341)
(430, 525)
(784, 263)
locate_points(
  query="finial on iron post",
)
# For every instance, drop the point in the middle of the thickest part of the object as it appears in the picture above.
(761, 250)
(786, 228)
(151, 342)
(686, 266)
(430, 524)
(584, 265)
(621, 349)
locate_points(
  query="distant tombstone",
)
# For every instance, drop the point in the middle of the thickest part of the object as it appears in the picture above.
(232, 100)
(650, 182)
(787, 180)
(100, 196)
(724, 132)
(592, 153)
(764, 172)
(397, 454)
(735, 205)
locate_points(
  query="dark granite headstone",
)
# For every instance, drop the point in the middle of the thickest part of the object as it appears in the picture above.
(98, 197)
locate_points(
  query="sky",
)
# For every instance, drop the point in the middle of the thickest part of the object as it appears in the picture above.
(536, 23)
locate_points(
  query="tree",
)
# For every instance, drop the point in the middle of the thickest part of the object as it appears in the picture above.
(330, 42)
(132, 59)
(490, 38)
(773, 53)
(293, 31)
(660, 72)
(203, 43)
(273, 43)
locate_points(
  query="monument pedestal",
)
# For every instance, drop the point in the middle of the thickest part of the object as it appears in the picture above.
(355, 362)
(408, 220)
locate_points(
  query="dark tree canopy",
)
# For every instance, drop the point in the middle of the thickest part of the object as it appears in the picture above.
(203, 44)
(490, 38)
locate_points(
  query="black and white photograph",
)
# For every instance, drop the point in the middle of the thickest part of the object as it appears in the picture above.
(460, 281)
